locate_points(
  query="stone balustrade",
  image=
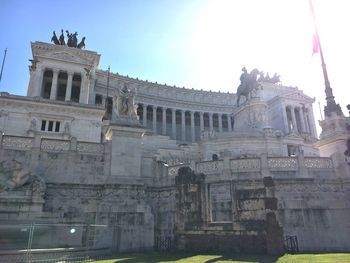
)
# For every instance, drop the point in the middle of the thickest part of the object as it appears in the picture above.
(49, 144)
(274, 164)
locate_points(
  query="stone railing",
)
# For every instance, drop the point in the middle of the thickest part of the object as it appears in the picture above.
(49, 145)
(210, 167)
(282, 163)
(318, 163)
(90, 147)
(249, 164)
(54, 145)
(273, 164)
(16, 142)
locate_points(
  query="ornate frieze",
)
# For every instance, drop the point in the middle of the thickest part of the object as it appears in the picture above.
(17, 142)
(210, 167)
(55, 145)
(283, 163)
(318, 163)
(90, 147)
(244, 164)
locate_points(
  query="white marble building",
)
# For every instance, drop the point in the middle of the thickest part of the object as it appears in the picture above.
(69, 131)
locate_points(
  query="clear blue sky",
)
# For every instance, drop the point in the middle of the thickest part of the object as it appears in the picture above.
(200, 44)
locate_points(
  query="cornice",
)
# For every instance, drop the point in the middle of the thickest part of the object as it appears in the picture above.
(57, 106)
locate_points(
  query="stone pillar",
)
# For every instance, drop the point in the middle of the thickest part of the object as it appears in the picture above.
(144, 115)
(69, 86)
(173, 119)
(183, 125)
(125, 153)
(312, 123)
(36, 82)
(201, 121)
(193, 135)
(294, 121)
(164, 121)
(154, 121)
(220, 122)
(306, 122)
(210, 121)
(285, 119)
(302, 121)
(84, 89)
(53, 92)
(229, 123)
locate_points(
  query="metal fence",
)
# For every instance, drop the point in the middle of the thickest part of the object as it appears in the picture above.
(38, 242)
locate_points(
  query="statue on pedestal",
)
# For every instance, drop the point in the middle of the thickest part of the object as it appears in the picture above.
(248, 84)
(124, 103)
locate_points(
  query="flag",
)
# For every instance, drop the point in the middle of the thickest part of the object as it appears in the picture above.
(315, 44)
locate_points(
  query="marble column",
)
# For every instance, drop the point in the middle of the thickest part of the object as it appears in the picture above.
(69, 86)
(144, 115)
(307, 126)
(193, 135)
(301, 118)
(285, 119)
(294, 121)
(154, 119)
(229, 123)
(210, 121)
(164, 121)
(53, 93)
(201, 121)
(183, 125)
(220, 122)
(312, 123)
(173, 119)
(36, 82)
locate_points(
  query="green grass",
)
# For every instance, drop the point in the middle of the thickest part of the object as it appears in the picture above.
(225, 258)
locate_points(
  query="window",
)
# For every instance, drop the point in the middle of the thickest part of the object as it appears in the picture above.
(57, 127)
(98, 99)
(50, 126)
(43, 125)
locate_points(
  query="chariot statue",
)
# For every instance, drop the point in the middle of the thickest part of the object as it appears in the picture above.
(248, 84)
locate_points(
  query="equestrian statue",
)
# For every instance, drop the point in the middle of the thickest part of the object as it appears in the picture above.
(248, 84)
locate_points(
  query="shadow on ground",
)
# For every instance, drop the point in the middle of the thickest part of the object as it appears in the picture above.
(192, 257)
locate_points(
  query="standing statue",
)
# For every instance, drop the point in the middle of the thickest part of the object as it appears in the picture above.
(62, 42)
(81, 45)
(74, 40)
(54, 39)
(70, 39)
(124, 103)
(248, 84)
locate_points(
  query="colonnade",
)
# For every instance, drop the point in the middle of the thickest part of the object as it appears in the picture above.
(299, 120)
(181, 124)
(55, 84)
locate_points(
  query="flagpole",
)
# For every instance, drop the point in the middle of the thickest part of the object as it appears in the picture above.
(106, 104)
(331, 105)
(3, 62)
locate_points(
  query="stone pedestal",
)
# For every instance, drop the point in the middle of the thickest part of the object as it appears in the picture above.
(125, 151)
(251, 116)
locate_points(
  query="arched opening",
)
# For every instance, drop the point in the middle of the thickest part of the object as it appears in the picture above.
(47, 82)
(61, 86)
(76, 84)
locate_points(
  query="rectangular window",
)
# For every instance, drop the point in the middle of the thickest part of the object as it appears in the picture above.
(50, 126)
(57, 127)
(43, 125)
(98, 99)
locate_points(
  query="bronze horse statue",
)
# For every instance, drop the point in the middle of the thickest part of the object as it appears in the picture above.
(248, 84)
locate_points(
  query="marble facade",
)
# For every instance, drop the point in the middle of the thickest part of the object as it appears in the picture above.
(257, 164)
